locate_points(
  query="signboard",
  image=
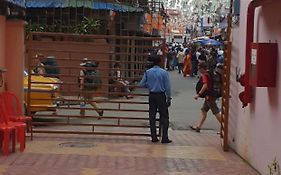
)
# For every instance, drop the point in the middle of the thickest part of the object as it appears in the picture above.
(17, 2)
(254, 57)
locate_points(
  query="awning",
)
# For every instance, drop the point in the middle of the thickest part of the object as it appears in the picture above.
(58, 3)
(81, 3)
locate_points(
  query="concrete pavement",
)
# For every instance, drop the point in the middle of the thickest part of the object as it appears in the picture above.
(190, 153)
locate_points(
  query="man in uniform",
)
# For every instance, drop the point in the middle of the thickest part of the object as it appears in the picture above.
(157, 81)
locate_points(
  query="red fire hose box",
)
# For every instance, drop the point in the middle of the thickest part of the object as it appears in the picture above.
(263, 64)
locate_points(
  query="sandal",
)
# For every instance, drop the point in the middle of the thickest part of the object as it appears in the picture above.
(100, 115)
(195, 128)
(129, 96)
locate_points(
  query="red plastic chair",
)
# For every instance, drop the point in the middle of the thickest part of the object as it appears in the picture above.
(6, 132)
(14, 110)
(9, 125)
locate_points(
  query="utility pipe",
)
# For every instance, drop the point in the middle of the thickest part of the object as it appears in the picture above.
(247, 94)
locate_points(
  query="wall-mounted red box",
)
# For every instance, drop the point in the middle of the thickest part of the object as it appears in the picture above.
(263, 64)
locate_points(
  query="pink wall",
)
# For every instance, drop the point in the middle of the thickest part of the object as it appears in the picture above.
(254, 132)
(15, 56)
(2, 43)
(12, 54)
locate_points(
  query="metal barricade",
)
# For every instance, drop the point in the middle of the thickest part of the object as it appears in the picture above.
(54, 96)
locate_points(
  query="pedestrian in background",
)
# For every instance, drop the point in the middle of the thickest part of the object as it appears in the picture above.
(187, 64)
(157, 81)
(169, 59)
(180, 57)
(118, 79)
(194, 63)
(174, 60)
(39, 69)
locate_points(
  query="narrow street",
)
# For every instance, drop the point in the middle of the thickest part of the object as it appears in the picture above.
(185, 110)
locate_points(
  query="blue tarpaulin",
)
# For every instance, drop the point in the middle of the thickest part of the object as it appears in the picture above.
(57, 3)
(17, 2)
(210, 42)
(81, 3)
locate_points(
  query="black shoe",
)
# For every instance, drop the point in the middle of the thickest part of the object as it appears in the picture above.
(154, 140)
(100, 113)
(195, 128)
(166, 141)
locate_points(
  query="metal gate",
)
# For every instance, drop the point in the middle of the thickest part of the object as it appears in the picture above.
(226, 83)
(53, 94)
(225, 97)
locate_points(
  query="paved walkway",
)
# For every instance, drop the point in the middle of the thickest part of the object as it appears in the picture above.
(190, 154)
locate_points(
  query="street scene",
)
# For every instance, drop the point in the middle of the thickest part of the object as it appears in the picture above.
(176, 87)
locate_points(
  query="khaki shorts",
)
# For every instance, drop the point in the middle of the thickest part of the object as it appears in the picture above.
(210, 104)
(88, 94)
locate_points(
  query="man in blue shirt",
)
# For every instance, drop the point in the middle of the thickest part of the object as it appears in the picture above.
(157, 81)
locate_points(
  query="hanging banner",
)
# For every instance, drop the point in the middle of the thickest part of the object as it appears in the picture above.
(207, 21)
(147, 23)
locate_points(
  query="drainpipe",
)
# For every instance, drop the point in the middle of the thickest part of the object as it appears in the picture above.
(246, 95)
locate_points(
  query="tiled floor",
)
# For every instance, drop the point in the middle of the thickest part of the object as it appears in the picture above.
(190, 154)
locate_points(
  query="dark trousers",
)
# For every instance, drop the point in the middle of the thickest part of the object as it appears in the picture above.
(180, 67)
(157, 101)
(194, 68)
(168, 64)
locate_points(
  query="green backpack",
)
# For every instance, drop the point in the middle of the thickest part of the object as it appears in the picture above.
(92, 80)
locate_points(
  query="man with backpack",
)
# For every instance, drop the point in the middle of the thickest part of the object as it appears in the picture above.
(89, 82)
(209, 88)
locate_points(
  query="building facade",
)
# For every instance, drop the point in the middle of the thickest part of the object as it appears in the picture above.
(254, 131)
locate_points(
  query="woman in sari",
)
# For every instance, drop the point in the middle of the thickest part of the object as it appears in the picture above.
(187, 64)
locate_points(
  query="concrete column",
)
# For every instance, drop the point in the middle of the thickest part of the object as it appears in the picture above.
(2, 43)
(15, 56)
